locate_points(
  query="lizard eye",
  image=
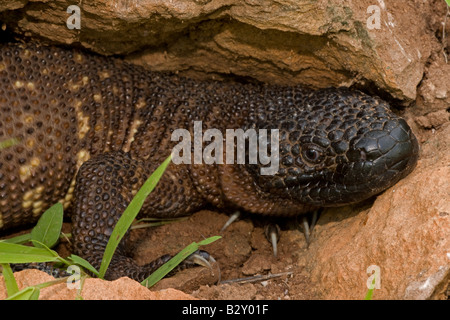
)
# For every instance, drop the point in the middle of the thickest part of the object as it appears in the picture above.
(312, 154)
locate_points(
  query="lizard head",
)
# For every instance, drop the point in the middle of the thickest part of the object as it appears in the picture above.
(337, 147)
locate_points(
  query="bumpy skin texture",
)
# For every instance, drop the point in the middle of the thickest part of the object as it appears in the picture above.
(90, 130)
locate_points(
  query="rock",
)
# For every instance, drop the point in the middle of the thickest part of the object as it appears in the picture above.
(11, 4)
(405, 233)
(435, 285)
(435, 88)
(246, 291)
(433, 119)
(93, 289)
(328, 43)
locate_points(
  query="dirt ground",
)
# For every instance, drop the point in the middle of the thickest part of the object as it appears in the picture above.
(242, 252)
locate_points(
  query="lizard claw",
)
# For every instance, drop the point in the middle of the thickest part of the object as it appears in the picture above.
(232, 218)
(308, 228)
(199, 257)
(202, 258)
(272, 233)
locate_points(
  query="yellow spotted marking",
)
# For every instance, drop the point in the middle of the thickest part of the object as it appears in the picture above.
(31, 198)
(26, 53)
(35, 162)
(97, 97)
(1, 220)
(83, 121)
(28, 119)
(30, 143)
(108, 138)
(78, 57)
(82, 156)
(133, 129)
(74, 87)
(28, 196)
(38, 204)
(44, 71)
(18, 84)
(2, 66)
(38, 210)
(30, 86)
(24, 172)
(103, 75)
(140, 104)
(69, 195)
(78, 104)
(27, 170)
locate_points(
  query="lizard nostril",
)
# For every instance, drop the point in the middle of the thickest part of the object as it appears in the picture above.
(363, 155)
(357, 155)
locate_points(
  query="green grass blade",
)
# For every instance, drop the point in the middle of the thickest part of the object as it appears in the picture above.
(32, 292)
(208, 240)
(23, 238)
(35, 294)
(129, 214)
(176, 260)
(84, 263)
(10, 281)
(28, 293)
(369, 293)
(16, 253)
(155, 222)
(48, 228)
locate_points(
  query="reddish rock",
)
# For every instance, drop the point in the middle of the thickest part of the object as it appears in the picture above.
(93, 289)
(405, 233)
(320, 44)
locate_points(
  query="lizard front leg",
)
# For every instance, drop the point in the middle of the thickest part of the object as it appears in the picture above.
(104, 187)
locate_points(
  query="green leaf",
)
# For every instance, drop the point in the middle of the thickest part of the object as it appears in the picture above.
(32, 292)
(48, 228)
(10, 281)
(16, 253)
(162, 271)
(28, 293)
(35, 294)
(129, 214)
(448, 2)
(82, 262)
(369, 294)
